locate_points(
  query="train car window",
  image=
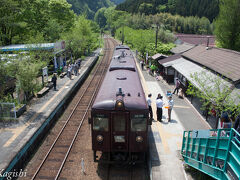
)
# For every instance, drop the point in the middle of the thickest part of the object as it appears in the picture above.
(100, 123)
(119, 122)
(138, 123)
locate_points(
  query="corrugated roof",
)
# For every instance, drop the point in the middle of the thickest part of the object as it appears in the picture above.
(170, 63)
(169, 59)
(223, 61)
(188, 69)
(157, 56)
(235, 96)
(196, 39)
(180, 48)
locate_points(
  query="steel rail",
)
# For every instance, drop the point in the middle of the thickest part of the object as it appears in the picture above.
(80, 125)
(51, 148)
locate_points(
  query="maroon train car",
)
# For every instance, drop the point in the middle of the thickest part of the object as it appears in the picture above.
(119, 115)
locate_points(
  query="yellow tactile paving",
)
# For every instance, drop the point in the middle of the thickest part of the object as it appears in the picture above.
(20, 129)
(162, 133)
(165, 135)
(184, 107)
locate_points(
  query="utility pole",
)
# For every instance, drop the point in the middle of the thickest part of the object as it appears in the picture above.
(122, 35)
(157, 28)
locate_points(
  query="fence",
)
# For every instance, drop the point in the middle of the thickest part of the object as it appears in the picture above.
(7, 111)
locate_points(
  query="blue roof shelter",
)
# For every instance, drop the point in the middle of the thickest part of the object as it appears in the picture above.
(56, 48)
(27, 47)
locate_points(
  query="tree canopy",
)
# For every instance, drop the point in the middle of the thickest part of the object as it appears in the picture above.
(21, 20)
(89, 8)
(200, 8)
(227, 25)
(215, 92)
(81, 38)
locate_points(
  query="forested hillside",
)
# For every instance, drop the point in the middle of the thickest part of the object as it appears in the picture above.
(200, 8)
(117, 1)
(87, 7)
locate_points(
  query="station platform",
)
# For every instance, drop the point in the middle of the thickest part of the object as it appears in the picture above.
(165, 138)
(16, 137)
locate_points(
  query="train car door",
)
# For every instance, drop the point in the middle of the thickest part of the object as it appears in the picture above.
(119, 131)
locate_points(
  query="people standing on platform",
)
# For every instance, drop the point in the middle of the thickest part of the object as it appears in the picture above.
(170, 107)
(237, 128)
(70, 71)
(237, 124)
(177, 86)
(159, 104)
(142, 65)
(149, 101)
(54, 81)
(152, 67)
(79, 64)
(225, 121)
(75, 67)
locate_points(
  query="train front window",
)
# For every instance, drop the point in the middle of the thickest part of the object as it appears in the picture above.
(100, 123)
(138, 123)
(119, 122)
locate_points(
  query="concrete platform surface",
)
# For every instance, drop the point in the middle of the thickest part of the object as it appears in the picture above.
(14, 135)
(166, 137)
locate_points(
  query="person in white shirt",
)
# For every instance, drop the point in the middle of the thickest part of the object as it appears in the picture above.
(170, 107)
(159, 104)
(149, 101)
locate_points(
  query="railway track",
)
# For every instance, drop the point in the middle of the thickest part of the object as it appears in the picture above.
(129, 172)
(54, 161)
(66, 153)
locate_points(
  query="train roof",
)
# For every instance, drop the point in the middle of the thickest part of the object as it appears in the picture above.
(118, 47)
(122, 73)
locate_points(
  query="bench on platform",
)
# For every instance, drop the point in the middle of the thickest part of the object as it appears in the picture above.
(62, 75)
(49, 84)
(42, 92)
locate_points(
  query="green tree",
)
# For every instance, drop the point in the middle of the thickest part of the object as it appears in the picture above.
(100, 17)
(3, 74)
(50, 18)
(24, 19)
(11, 23)
(81, 38)
(115, 19)
(227, 25)
(26, 75)
(215, 92)
(26, 70)
(60, 11)
(146, 8)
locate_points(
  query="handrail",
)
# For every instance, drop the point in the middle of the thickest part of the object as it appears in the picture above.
(217, 149)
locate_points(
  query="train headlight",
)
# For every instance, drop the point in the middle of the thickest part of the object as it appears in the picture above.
(139, 139)
(119, 104)
(99, 138)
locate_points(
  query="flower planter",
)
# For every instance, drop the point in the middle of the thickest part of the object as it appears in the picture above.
(21, 110)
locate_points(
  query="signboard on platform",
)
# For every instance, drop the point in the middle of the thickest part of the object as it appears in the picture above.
(45, 74)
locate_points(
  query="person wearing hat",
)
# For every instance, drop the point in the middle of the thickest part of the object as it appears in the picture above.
(149, 101)
(177, 86)
(159, 104)
(170, 107)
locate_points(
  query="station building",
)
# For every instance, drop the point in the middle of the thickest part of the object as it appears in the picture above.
(190, 59)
